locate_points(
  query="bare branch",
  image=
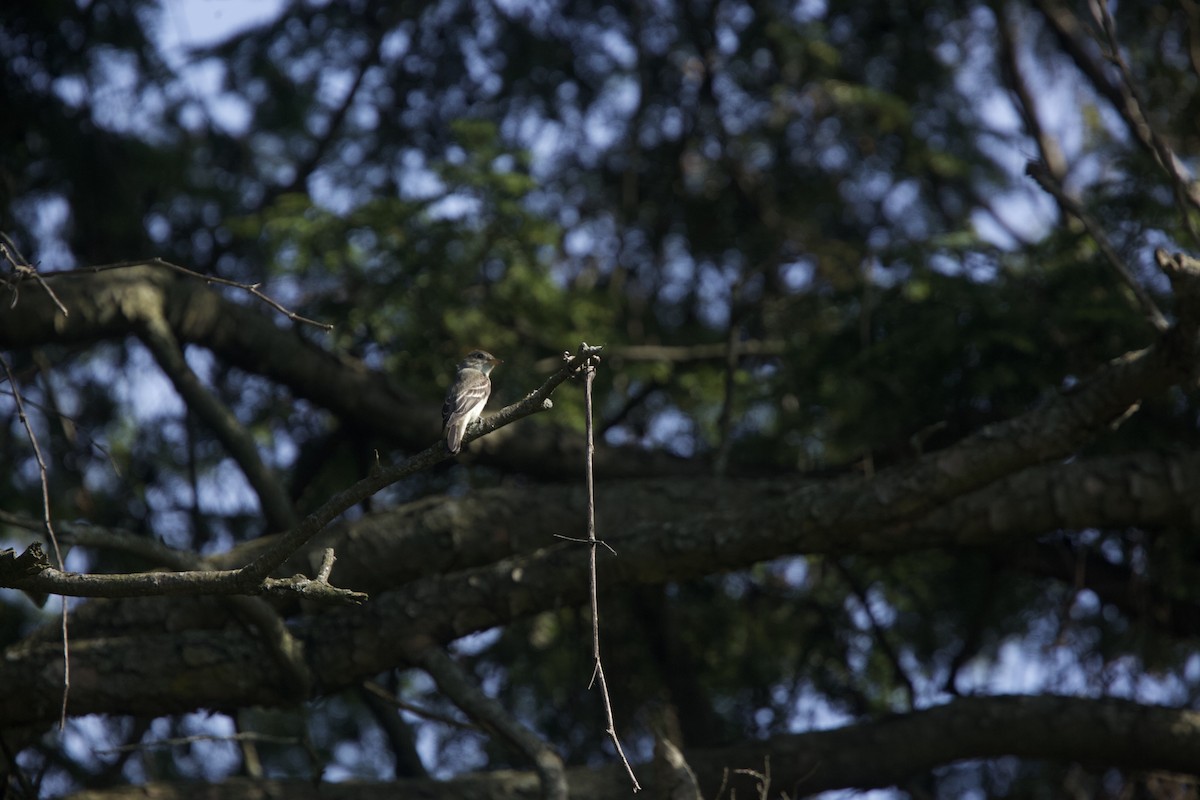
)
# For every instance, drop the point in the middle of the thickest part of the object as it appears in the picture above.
(876, 753)
(1026, 104)
(252, 578)
(589, 375)
(1122, 95)
(1135, 110)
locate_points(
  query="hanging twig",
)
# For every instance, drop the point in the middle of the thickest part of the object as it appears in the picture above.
(42, 473)
(589, 374)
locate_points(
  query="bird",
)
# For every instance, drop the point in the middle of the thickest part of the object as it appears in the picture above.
(467, 396)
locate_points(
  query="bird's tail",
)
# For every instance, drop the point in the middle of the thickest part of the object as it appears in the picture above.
(454, 436)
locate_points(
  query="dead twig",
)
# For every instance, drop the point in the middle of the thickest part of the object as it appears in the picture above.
(589, 375)
(22, 270)
(49, 526)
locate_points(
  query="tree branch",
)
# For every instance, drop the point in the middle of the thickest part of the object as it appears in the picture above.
(866, 755)
(252, 577)
(454, 682)
(114, 302)
(1122, 95)
(276, 506)
(665, 531)
(1045, 179)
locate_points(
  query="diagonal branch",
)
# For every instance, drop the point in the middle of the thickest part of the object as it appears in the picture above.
(273, 498)
(252, 578)
(457, 685)
(1045, 178)
(254, 289)
(1122, 95)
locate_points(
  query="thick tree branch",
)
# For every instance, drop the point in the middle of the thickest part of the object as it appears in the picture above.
(873, 754)
(664, 531)
(680, 529)
(113, 303)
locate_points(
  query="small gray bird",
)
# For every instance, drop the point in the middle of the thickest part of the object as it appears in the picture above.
(467, 396)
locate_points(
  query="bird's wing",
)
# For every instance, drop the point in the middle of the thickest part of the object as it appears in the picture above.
(469, 392)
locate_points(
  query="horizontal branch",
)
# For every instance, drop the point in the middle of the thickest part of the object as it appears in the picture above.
(665, 531)
(873, 754)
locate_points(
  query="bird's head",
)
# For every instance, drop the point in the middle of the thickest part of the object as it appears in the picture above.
(481, 360)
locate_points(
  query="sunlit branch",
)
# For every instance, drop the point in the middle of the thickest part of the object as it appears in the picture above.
(253, 289)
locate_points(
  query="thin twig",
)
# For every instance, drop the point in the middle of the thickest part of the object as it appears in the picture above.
(243, 736)
(880, 634)
(68, 420)
(763, 779)
(251, 288)
(1135, 107)
(24, 269)
(589, 374)
(1038, 171)
(585, 541)
(43, 474)
(420, 711)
